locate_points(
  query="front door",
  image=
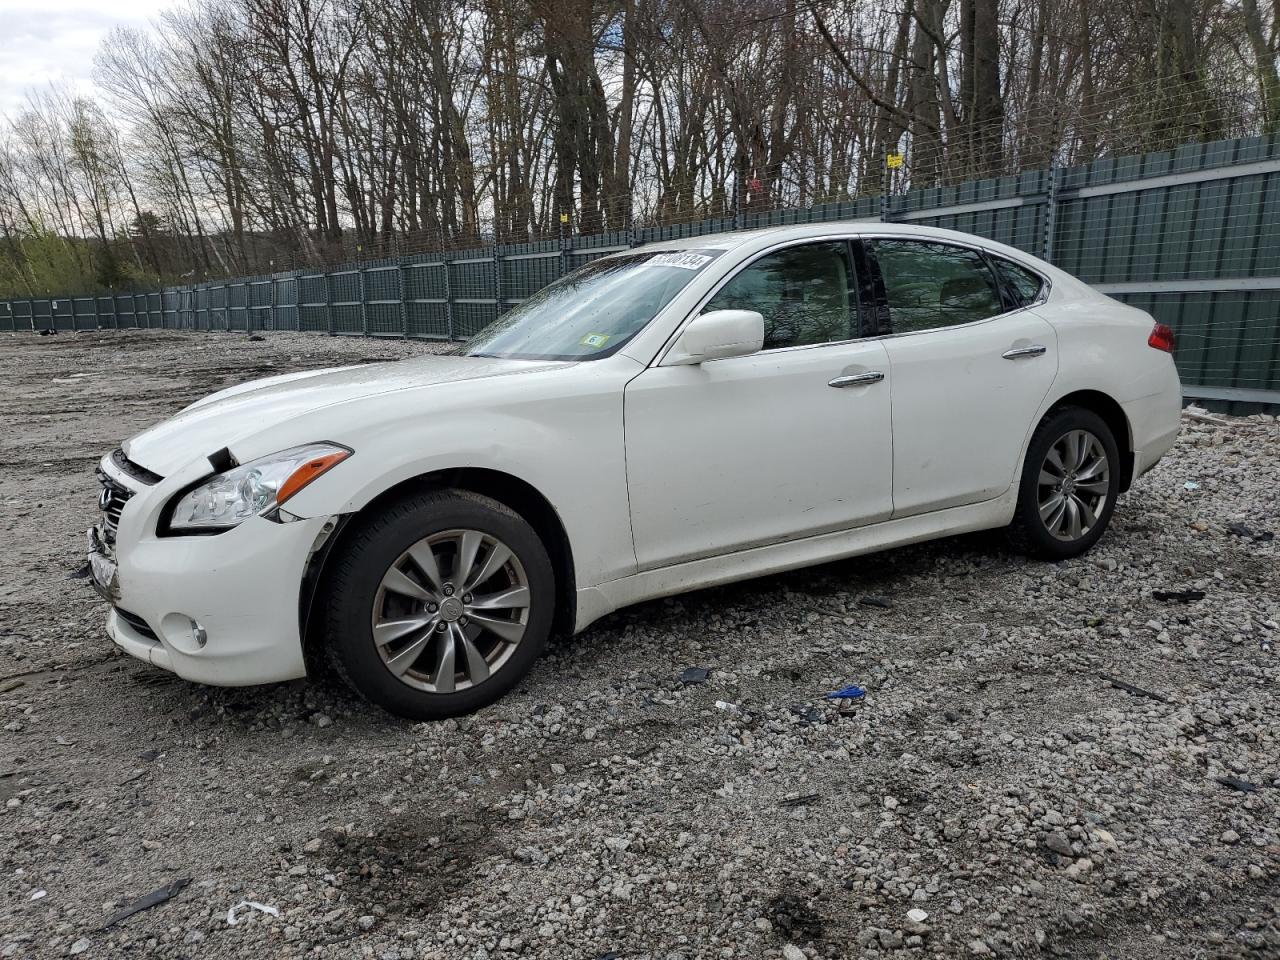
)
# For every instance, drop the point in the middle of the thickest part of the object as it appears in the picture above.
(790, 442)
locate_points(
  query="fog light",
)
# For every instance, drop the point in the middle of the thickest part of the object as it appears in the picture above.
(183, 632)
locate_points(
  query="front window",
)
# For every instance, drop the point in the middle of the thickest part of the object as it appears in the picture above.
(592, 312)
(803, 293)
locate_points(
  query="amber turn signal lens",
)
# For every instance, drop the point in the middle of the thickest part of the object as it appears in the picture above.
(309, 471)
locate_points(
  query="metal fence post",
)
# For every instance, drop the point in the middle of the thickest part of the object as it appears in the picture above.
(271, 312)
(404, 305)
(1050, 213)
(564, 246)
(448, 296)
(497, 281)
(328, 302)
(364, 309)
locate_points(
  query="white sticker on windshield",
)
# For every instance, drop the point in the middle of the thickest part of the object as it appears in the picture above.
(685, 260)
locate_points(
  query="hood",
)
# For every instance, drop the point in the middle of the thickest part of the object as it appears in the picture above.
(223, 418)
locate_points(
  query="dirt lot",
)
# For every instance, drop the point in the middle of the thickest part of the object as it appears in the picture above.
(992, 779)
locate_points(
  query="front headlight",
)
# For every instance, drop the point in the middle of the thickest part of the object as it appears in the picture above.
(253, 488)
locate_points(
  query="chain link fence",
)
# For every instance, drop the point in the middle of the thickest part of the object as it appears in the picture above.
(1191, 235)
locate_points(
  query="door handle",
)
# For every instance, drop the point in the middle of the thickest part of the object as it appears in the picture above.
(1035, 350)
(857, 379)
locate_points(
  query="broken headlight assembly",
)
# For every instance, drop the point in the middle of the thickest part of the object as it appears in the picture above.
(251, 489)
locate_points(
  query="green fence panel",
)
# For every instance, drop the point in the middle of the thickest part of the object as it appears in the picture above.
(525, 274)
(1195, 224)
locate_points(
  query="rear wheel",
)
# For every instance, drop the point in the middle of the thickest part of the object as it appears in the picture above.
(439, 604)
(1069, 485)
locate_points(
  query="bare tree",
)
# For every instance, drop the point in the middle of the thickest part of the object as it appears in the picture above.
(245, 135)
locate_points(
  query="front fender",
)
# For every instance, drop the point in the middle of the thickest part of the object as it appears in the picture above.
(566, 442)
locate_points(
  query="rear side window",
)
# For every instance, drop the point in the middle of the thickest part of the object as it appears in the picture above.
(930, 285)
(1023, 285)
(804, 294)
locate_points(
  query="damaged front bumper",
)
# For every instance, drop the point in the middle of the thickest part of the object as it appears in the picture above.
(221, 609)
(104, 573)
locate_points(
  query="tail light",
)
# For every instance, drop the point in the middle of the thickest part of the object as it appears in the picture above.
(1161, 338)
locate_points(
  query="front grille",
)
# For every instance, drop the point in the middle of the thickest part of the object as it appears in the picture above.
(111, 501)
(115, 494)
(138, 624)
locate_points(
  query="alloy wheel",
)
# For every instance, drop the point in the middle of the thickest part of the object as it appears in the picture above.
(1075, 481)
(450, 611)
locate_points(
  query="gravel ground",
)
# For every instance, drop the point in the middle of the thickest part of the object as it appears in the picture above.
(992, 795)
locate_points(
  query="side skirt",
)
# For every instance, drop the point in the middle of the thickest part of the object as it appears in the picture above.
(595, 602)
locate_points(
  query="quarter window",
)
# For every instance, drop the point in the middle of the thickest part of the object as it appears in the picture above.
(930, 285)
(1019, 281)
(802, 292)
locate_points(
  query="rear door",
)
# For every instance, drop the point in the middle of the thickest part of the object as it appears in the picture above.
(970, 363)
(789, 442)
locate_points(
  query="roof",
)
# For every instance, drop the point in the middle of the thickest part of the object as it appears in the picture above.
(764, 237)
(798, 231)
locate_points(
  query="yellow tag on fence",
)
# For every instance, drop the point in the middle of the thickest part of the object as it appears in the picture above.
(895, 160)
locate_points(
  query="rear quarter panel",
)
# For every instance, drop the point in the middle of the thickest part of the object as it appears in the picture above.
(1102, 346)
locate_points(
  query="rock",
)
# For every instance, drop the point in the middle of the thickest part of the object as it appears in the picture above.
(1030, 803)
(1080, 868)
(890, 939)
(791, 952)
(1058, 843)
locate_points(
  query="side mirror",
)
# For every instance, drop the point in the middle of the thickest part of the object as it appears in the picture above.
(717, 335)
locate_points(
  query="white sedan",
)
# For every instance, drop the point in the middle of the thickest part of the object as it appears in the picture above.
(671, 417)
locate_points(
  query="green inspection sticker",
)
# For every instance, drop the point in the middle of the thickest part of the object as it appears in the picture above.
(594, 340)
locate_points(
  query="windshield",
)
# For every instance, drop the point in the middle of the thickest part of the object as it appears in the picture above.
(593, 311)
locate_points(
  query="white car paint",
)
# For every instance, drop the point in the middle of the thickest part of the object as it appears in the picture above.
(665, 476)
(951, 384)
(767, 469)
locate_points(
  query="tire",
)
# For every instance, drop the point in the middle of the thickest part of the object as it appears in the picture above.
(1074, 439)
(410, 639)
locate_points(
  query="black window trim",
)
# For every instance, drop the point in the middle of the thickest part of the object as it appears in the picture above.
(878, 308)
(882, 298)
(1007, 290)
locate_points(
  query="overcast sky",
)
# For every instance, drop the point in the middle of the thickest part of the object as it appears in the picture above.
(43, 41)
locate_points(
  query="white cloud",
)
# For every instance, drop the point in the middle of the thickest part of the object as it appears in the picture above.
(54, 42)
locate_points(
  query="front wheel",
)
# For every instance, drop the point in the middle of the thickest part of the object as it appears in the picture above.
(439, 604)
(1070, 482)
